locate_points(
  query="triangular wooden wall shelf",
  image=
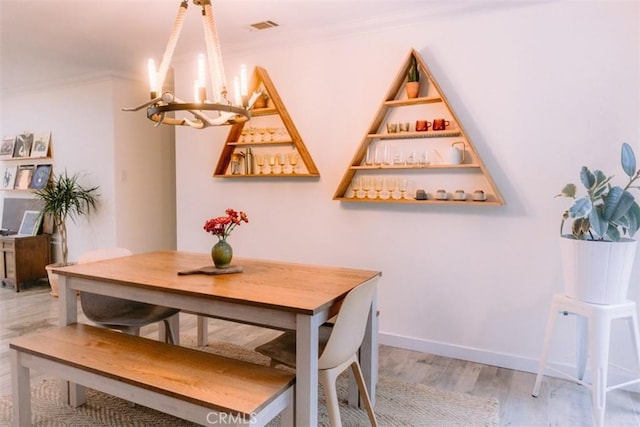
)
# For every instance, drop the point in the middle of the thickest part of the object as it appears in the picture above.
(272, 117)
(418, 157)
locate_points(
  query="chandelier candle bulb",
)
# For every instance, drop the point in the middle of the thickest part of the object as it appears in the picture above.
(237, 92)
(244, 91)
(201, 71)
(153, 78)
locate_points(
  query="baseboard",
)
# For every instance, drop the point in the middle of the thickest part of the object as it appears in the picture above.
(470, 354)
(501, 360)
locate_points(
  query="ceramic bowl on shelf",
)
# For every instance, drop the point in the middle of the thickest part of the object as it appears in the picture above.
(441, 195)
(460, 196)
(479, 196)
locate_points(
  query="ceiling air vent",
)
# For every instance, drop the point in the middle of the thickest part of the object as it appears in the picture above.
(262, 25)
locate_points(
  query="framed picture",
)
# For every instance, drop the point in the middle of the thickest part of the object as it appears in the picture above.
(6, 149)
(40, 177)
(23, 145)
(30, 223)
(23, 177)
(9, 177)
(40, 147)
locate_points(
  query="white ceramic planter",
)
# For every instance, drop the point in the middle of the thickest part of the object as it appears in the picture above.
(597, 272)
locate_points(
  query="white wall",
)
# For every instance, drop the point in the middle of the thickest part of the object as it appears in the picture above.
(130, 161)
(541, 90)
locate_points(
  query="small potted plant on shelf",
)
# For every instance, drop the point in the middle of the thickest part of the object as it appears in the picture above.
(598, 255)
(262, 100)
(65, 198)
(413, 79)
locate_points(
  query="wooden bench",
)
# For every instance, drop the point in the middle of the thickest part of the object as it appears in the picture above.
(200, 387)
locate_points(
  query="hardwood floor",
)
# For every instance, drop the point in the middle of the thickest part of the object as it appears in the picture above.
(561, 403)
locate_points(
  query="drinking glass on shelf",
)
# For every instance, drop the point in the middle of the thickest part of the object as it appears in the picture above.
(272, 162)
(272, 132)
(293, 157)
(263, 132)
(366, 186)
(377, 186)
(424, 158)
(390, 184)
(381, 152)
(398, 157)
(403, 187)
(282, 160)
(356, 185)
(252, 134)
(411, 158)
(260, 162)
(368, 160)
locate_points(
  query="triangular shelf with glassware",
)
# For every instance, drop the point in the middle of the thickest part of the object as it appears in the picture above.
(270, 135)
(396, 163)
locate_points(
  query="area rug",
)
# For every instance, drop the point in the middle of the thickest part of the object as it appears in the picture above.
(398, 404)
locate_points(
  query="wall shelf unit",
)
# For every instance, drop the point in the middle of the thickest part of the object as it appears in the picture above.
(388, 161)
(26, 173)
(269, 134)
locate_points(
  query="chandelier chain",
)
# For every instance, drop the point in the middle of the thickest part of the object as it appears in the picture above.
(171, 45)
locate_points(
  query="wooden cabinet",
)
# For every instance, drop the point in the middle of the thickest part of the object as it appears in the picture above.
(392, 164)
(270, 135)
(23, 258)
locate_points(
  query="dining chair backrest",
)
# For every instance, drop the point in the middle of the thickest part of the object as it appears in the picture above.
(349, 328)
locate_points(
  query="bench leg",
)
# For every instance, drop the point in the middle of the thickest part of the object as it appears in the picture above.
(20, 383)
(287, 417)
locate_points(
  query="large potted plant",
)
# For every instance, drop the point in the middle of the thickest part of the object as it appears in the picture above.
(65, 198)
(598, 255)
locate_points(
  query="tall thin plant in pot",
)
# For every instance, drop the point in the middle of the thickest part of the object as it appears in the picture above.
(412, 86)
(65, 198)
(598, 255)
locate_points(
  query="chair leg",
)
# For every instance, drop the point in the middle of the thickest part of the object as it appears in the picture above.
(364, 395)
(327, 377)
(172, 330)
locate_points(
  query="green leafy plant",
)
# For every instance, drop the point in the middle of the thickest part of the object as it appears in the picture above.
(606, 212)
(65, 198)
(414, 73)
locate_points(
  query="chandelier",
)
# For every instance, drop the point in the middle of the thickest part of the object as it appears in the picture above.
(204, 112)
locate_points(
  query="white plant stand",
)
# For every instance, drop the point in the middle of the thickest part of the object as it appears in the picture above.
(594, 329)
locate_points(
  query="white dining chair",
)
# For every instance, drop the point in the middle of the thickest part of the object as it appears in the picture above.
(122, 314)
(338, 348)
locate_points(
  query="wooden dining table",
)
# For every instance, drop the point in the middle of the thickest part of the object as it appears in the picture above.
(280, 295)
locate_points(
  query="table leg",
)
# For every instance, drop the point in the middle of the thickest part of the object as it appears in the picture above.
(306, 402)
(203, 331)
